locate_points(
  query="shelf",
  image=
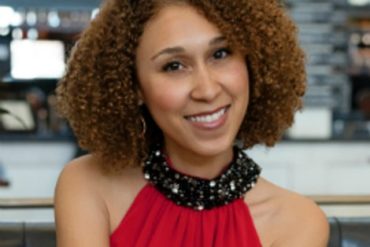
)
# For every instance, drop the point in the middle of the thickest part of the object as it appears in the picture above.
(11, 203)
(340, 199)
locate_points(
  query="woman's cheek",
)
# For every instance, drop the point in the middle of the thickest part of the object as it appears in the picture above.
(169, 96)
(241, 76)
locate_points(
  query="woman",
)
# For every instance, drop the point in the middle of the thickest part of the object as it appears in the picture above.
(164, 94)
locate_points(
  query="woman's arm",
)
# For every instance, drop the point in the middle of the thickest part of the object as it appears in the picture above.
(81, 215)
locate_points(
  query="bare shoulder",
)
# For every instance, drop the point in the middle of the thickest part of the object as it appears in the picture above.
(90, 203)
(304, 222)
(293, 219)
(85, 167)
(81, 176)
(79, 205)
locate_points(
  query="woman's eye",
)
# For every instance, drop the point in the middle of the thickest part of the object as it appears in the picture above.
(172, 66)
(221, 53)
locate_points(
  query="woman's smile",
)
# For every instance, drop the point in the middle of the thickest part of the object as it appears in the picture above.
(209, 120)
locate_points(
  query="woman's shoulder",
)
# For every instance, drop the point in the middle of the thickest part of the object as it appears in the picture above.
(83, 175)
(88, 171)
(301, 221)
(86, 176)
(79, 206)
(83, 167)
(291, 219)
(88, 199)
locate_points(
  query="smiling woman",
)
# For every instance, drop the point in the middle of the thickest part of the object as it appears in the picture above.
(165, 94)
(195, 87)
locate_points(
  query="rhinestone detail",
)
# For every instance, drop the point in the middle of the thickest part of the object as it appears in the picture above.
(197, 193)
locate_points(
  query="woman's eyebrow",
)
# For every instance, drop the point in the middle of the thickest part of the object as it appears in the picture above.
(217, 40)
(169, 51)
(179, 49)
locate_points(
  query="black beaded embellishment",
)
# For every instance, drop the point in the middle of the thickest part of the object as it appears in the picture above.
(197, 193)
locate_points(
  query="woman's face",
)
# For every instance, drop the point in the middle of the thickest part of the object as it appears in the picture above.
(194, 85)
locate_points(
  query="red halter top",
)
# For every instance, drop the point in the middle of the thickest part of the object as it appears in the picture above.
(155, 221)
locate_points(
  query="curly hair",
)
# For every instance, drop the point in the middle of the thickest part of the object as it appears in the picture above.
(99, 91)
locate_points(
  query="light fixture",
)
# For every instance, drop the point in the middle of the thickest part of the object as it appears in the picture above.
(6, 14)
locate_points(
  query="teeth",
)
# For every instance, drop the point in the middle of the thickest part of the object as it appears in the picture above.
(208, 118)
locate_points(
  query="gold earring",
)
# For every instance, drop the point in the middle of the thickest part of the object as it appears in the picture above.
(143, 127)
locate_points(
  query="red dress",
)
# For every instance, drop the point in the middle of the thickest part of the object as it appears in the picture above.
(155, 221)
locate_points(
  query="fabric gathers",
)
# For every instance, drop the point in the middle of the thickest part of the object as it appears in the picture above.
(155, 221)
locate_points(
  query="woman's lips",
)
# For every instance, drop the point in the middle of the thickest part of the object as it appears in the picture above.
(211, 120)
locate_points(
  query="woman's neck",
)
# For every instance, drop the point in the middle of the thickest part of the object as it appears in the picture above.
(194, 164)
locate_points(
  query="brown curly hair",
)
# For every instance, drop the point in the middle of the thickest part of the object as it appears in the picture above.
(99, 92)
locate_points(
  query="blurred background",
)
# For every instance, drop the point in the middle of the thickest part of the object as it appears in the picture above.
(325, 155)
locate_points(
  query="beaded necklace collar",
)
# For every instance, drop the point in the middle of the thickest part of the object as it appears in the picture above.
(198, 193)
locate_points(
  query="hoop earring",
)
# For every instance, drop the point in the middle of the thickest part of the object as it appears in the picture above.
(143, 127)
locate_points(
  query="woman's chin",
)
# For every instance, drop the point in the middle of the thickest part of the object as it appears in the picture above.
(213, 149)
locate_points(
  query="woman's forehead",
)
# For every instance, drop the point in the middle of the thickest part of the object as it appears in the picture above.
(178, 25)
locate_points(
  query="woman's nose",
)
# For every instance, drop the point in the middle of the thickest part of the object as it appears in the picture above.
(206, 85)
